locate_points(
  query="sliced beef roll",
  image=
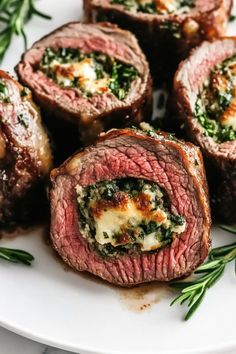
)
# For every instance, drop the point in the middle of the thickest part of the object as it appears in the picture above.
(166, 29)
(205, 90)
(25, 156)
(132, 208)
(94, 77)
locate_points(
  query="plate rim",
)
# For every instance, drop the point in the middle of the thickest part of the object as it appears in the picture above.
(226, 347)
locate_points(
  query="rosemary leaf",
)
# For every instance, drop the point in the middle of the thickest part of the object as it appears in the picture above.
(206, 276)
(208, 265)
(194, 307)
(180, 299)
(13, 16)
(229, 228)
(221, 251)
(16, 256)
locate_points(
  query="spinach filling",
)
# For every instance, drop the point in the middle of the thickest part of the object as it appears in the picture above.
(91, 73)
(126, 216)
(214, 107)
(4, 97)
(160, 7)
(4, 94)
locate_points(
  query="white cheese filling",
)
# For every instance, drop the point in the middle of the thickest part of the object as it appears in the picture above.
(111, 221)
(228, 118)
(222, 83)
(161, 6)
(84, 71)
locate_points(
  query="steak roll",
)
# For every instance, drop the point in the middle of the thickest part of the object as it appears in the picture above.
(132, 208)
(94, 77)
(205, 90)
(25, 155)
(166, 29)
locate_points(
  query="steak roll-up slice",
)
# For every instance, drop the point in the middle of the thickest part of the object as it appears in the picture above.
(25, 156)
(132, 208)
(205, 90)
(94, 77)
(166, 29)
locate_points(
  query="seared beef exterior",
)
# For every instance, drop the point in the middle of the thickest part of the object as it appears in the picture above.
(174, 165)
(86, 116)
(25, 156)
(220, 157)
(166, 37)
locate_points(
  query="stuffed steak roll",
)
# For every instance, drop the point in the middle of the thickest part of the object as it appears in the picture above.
(25, 155)
(92, 77)
(205, 90)
(132, 208)
(166, 29)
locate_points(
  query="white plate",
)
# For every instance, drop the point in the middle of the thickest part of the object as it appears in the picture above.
(50, 304)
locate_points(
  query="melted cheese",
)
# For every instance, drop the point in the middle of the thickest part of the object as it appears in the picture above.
(228, 118)
(220, 82)
(190, 27)
(84, 71)
(179, 228)
(112, 220)
(162, 6)
(150, 242)
(166, 6)
(144, 2)
(152, 194)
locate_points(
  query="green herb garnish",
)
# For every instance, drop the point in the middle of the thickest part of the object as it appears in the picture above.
(23, 120)
(25, 92)
(224, 99)
(4, 95)
(213, 101)
(232, 18)
(133, 229)
(172, 27)
(194, 291)
(211, 126)
(188, 3)
(118, 74)
(128, 4)
(228, 228)
(105, 234)
(177, 219)
(151, 227)
(122, 76)
(149, 7)
(62, 56)
(16, 256)
(13, 15)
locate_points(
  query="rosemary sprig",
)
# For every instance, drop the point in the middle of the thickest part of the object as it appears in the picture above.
(13, 16)
(194, 291)
(228, 228)
(16, 256)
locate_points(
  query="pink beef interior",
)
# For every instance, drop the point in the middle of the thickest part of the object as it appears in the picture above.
(202, 9)
(120, 45)
(195, 70)
(189, 80)
(119, 157)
